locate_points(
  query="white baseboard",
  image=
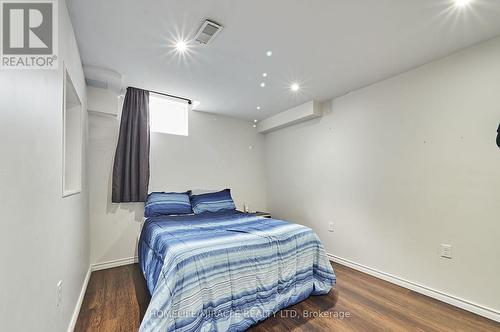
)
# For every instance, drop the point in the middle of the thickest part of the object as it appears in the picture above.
(79, 302)
(438, 295)
(114, 263)
(95, 267)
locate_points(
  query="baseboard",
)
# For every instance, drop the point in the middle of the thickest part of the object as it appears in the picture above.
(438, 295)
(95, 267)
(79, 302)
(114, 263)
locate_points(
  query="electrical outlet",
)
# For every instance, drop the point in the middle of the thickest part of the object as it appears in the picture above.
(330, 227)
(446, 251)
(59, 290)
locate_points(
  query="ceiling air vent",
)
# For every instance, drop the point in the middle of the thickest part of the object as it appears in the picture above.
(207, 32)
(96, 83)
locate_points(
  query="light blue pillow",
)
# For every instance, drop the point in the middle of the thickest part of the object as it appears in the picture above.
(160, 204)
(212, 202)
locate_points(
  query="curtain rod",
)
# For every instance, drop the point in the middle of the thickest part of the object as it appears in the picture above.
(166, 94)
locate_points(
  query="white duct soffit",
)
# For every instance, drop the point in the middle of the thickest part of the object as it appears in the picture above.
(304, 112)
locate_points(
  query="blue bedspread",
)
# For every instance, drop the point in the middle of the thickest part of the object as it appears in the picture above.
(226, 271)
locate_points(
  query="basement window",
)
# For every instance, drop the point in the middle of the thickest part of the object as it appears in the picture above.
(168, 115)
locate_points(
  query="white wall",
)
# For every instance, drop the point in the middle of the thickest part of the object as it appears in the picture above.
(400, 167)
(45, 237)
(215, 155)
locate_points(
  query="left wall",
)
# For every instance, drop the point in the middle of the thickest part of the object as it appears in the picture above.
(44, 237)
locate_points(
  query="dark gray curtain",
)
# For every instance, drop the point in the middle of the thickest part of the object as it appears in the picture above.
(131, 167)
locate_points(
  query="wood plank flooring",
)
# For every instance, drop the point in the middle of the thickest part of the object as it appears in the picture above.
(116, 300)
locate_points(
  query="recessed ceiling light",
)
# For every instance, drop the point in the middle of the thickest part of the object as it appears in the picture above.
(258, 108)
(262, 84)
(269, 53)
(255, 126)
(264, 74)
(462, 3)
(295, 87)
(181, 46)
(255, 121)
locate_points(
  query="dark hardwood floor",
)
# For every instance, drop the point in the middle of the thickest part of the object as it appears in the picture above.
(116, 300)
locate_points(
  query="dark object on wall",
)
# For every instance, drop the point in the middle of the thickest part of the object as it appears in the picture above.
(131, 167)
(498, 136)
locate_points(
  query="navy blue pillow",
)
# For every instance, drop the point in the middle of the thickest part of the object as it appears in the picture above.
(160, 203)
(212, 202)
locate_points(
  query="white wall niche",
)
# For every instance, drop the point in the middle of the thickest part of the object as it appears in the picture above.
(72, 138)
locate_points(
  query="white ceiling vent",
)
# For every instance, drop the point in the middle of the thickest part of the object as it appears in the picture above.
(96, 83)
(207, 32)
(103, 78)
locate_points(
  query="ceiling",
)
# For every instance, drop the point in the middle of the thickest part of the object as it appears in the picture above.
(330, 47)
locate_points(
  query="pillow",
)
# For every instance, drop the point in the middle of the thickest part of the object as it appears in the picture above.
(161, 203)
(212, 202)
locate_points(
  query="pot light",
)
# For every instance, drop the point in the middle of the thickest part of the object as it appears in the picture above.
(295, 87)
(254, 121)
(258, 108)
(262, 85)
(269, 53)
(181, 46)
(264, 74)
(255, 126)
(462, 3)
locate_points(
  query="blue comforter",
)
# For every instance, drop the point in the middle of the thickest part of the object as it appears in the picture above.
(226, 271)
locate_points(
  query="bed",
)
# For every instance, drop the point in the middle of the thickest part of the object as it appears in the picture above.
(226, 271)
